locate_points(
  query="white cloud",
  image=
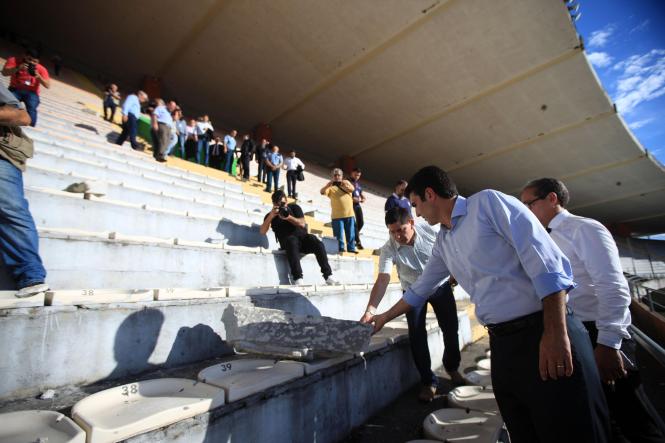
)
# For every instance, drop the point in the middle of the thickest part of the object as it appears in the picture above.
(640, 123)
(642, 26)
(600, 59)
(600, 37)
(641, 78)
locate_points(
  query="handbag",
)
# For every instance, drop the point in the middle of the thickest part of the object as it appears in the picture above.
(300, 176)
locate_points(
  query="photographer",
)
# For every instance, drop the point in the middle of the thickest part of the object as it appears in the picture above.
(19, 242)
(26, 77)
(343, 218)
(288, 224)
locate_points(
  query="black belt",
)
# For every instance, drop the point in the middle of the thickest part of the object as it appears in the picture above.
(515, 325)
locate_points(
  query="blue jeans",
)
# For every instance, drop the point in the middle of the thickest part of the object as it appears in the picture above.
(273, 176)
(31, 100)
(443, 303)
(19, 243)
(345, 227)
(172, 142)
(182, 138)
(202, 152)
(228, 161)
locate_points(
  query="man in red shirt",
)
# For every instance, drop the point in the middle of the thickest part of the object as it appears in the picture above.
(26, 77)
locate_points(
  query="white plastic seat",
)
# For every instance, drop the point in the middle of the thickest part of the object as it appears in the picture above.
(243, 377)
(121, 412)
(480, 377)
(485, 364)
(475, 398)
(459, 425)
(322, 363)
(39, 426)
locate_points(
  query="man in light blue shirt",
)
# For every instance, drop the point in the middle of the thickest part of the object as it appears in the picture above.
(229, 149)
(274, 162)
(409, 249)
(543, 373)
(131, 111)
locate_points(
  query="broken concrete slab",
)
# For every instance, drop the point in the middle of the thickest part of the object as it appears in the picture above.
(275, 332)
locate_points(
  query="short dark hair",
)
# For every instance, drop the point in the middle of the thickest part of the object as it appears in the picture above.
(431, 177)
(32, 52)
(357, 170)
(401, 181)
(277, 196)
(543, 186)
(398, 214)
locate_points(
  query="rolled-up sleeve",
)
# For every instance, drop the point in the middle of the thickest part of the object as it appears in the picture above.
(433, 275)
(542, 260)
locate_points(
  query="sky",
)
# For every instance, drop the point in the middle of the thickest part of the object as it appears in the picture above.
(625, 43)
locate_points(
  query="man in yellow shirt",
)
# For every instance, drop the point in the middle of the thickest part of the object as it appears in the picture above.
(343, 222)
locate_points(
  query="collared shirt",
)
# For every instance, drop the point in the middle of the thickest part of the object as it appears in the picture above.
(500, 254)
(602, 293)
(292, 163)
(230, 142)
(203, 127)
(341, 202)
(275, 158)
(394, 201)
(132, 106)
(410, 260)
(163, 115)
(181, 125)
(9, 99)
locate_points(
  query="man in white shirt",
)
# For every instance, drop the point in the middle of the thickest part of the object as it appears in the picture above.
(601, 300)
(409, 248)
(293, 166)
(202, 127)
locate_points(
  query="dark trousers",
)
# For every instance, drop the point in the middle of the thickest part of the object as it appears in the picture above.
(307, 244)
(109, 107)
(360, 222)
(443, 303)
(129, 131)
(291, 180)
(569, 409)
(31, 101)
(216, 157)
(245, 159)
(261, 175)
(160, 140)
(629, 419)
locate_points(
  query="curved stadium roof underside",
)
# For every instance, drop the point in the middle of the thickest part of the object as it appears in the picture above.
(496, 92)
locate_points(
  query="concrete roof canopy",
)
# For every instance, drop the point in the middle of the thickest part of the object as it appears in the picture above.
(495, 92)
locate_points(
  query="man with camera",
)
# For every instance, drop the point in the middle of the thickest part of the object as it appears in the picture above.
(288, 223)
(19, 242)
(339, 192)
(27, 75)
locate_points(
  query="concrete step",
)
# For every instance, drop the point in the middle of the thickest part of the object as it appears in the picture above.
(131, 338)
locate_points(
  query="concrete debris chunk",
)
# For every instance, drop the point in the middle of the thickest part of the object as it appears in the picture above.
(287, 335)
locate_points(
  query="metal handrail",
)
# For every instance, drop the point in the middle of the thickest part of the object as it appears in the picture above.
(653, 348)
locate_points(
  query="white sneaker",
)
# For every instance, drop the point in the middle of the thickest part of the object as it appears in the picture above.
(331, 281)
(298, 282)
(29, 291)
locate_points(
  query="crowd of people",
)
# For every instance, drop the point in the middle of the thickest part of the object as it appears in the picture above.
(547, 284)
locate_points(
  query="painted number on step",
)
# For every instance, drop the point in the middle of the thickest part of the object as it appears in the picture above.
(88, 292)
(170, 290)
(128, 390)
(226, 367)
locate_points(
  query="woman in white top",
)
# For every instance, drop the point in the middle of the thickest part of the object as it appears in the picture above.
(293, 166)
(192, 139)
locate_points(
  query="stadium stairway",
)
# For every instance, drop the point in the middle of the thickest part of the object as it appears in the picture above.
(140, 279)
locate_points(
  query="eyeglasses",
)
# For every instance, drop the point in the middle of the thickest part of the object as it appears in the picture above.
(531, 202)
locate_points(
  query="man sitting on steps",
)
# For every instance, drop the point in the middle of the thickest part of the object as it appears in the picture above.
(288, 224)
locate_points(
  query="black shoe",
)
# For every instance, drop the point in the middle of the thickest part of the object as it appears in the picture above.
(359, 245)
